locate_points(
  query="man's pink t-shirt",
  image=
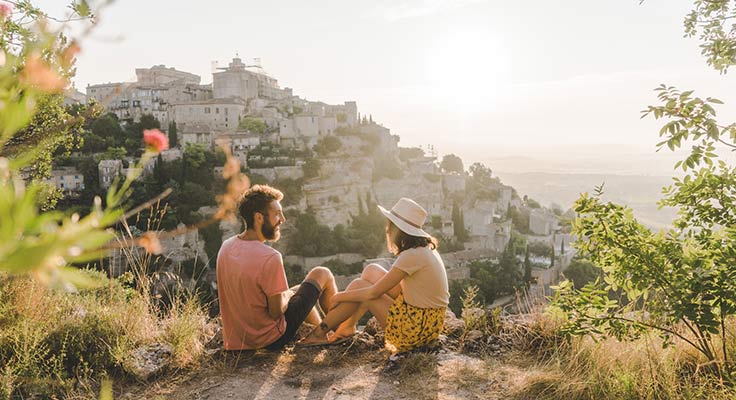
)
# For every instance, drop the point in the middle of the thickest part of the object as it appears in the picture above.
(248, 272)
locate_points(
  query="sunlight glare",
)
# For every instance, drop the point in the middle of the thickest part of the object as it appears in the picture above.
(468, 68)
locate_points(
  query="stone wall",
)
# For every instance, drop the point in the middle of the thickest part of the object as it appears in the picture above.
(460, 258)
(288, 172)
(310, 262)
(268, 173)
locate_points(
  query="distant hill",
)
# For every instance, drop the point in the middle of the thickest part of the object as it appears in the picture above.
(639, 192)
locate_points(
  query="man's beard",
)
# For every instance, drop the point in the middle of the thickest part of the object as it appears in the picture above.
(269, 231)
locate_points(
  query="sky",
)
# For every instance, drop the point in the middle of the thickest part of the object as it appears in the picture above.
(539, 85)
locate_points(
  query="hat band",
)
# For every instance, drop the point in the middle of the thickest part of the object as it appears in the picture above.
(405, 220)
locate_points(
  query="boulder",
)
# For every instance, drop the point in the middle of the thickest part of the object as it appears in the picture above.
(454, 327)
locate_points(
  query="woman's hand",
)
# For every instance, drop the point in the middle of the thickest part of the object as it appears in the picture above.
(338, 298)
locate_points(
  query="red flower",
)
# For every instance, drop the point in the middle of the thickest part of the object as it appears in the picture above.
(5, 10)
(155, 140)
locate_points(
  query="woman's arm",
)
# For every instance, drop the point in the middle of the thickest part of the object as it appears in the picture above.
(386, 283)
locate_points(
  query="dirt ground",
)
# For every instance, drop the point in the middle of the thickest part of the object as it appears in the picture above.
(336, 372)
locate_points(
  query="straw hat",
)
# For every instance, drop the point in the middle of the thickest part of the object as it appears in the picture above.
(408, 216)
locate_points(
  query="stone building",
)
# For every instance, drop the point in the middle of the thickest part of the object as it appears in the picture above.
(542, 221)
(160, 75)
(73, 96)
(220, 113)
(453, 182)
(152, 93)
(246, 82)
(108, 170)
(68, 179)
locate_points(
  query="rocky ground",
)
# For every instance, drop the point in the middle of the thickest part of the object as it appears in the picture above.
(464, 365)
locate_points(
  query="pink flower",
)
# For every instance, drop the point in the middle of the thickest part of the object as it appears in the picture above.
(38, 73)
(155, 140)
(150, 242)
(5, 10)
(69, 54)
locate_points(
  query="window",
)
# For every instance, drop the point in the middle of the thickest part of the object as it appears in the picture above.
(207, 110)
(217, 110)
(226, 111)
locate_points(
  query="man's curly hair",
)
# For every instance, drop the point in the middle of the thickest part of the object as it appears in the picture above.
(256, 200)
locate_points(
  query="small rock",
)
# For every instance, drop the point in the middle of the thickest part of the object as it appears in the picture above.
(303, 331)
(474, 335)
(396, 382)
(372, 327)
(147, 361)
(216, 341)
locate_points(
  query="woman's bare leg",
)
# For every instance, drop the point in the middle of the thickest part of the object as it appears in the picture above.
(372, 273)
(347, 311)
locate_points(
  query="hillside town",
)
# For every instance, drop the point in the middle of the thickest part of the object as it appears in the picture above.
(340, 160)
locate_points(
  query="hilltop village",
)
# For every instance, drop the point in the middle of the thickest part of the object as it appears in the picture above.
(333, 163)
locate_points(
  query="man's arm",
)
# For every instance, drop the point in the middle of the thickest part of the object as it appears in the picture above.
(277, 303)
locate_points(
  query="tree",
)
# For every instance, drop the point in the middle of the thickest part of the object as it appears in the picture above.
(107, 126)
(53, 130)
(311, 168)
(519, 219)
(148, 121)
(581, 272)
(452, 163)
(497, 280)
(540, 249)
(253, 125)
(527, 268)
(480, 174)
(458, 222)
(114, 153)
(709, 20)
(173, 135)
(679, 282)
(410, 153)
(327, 145)
(38, 59)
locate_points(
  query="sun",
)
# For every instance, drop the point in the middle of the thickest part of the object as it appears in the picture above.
(468, 68)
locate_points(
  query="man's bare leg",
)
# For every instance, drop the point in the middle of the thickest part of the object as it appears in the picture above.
(326, 281)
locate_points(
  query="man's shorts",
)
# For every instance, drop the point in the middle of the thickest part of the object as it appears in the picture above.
(300, 305)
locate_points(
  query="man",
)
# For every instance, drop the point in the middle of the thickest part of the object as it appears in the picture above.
(258, 309)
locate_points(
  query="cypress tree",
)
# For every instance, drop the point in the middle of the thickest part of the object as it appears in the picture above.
(173, 139)
(527, 268)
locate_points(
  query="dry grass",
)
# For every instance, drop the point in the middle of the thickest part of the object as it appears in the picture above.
(582, 368)
(55, 343)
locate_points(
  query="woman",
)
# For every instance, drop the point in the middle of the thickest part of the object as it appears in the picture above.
(409, 300)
